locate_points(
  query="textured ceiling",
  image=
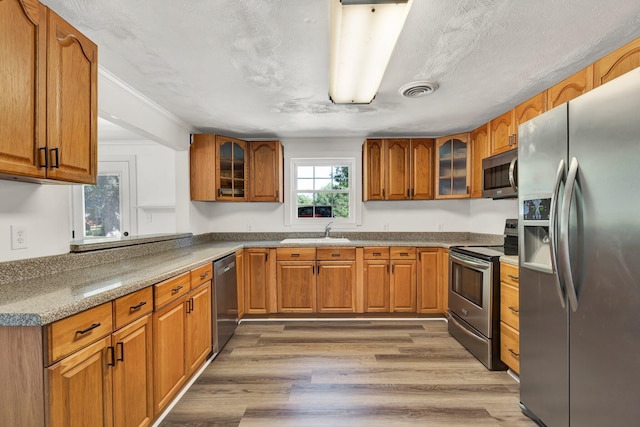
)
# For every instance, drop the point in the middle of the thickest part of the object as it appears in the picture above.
(258, 68)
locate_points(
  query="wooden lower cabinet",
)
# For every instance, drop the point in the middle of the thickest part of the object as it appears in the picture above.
(259, 281)
(80, 387)
(169, 345)
(296, 286)
(376, 286)
(133, 374)
(402, 280)
(510, 316)
(198, 324)
(429, 285)
(336, 282)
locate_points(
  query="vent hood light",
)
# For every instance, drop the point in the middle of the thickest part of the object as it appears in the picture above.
(363, 35)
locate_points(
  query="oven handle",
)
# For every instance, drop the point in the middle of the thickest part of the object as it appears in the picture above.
(466, 330)
(466, 261)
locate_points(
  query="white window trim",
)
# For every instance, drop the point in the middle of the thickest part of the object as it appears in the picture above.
(291, 217)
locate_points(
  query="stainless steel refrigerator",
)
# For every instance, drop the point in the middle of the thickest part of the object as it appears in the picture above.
(579, 230)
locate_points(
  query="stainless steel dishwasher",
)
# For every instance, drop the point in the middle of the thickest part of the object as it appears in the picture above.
(225, 318)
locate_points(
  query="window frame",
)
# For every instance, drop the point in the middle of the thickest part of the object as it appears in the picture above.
(294, 163)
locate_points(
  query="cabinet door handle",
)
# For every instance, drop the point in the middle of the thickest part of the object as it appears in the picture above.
(515, 310)
(112, 353)
(120, 346)
(90, 328)
(313, 270)
(55, 165)
(512, 277)
(383, 196)
(408, 193)
(176, 290)
(219, 192)
(203, 275)
(393, 269)
(137, 306)
(46, 158)
(191, 304)
(516, 355)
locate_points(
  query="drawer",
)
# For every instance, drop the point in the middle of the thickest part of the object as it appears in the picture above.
(296, 254)
(74, 332)
(201, 275)
(171, 289)
(509, 305)
(376, 253)
(401, 252)
(329, 254)
(509, 274)
(130, 307)
(510, 347)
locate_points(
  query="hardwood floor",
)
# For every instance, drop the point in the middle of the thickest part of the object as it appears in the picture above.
(347, 373)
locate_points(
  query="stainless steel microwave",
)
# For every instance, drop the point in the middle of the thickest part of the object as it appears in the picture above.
(500, 175)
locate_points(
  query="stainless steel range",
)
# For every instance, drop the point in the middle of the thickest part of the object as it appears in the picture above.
(474, 296)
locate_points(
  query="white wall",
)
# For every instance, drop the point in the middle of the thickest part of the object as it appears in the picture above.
(155, 206)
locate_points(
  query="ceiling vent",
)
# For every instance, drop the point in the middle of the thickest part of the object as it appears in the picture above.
(416, 89)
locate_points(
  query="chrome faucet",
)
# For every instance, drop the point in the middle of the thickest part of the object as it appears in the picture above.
(327, 229)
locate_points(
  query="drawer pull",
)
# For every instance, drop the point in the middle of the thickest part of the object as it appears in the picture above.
(515, 310)
(404, 253)
(137, 306)
(176, 290)
(295, 255)
(335, 255)
(84, 331)
(377, 254)
(113, 356)
(203, 275)
(120, 345)
(516, 355)
(512, 277)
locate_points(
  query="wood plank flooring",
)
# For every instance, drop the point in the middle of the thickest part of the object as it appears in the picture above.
(347, 373)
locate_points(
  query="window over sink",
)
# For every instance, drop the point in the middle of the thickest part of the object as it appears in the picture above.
(322, 191)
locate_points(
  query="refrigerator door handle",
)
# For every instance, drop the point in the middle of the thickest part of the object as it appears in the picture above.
(512, 178)
(553, 229)
(564, 234)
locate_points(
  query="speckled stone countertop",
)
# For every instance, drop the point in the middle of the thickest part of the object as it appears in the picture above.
(40, 291)
(510, 259)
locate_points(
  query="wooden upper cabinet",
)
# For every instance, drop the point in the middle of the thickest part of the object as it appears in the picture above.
(501, 131)
(202, 171)
(617, 63)
(422, 160)
(373, 169)
(452, 166)
(265, 171)
(397, 169)
(232, 169)
(72, 110)
(23, 82)
(570, 88)
(529, 109)
(49, 72)
(479, 150)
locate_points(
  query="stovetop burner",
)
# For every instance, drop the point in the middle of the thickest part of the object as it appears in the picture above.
(492, 253)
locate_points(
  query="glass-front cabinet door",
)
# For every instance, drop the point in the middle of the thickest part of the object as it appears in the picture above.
(232, 167)
(452, 166)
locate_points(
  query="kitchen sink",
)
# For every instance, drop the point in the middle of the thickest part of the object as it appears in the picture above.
(317, 241)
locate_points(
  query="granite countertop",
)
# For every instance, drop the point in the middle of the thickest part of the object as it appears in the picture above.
(37, 301)
(510, 259)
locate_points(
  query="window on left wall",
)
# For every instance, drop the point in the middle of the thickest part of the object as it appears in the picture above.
(104, 210)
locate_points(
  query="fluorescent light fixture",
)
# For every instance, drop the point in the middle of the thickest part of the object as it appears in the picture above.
(363, 35)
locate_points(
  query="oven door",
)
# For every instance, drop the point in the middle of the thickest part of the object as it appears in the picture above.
(470, 283)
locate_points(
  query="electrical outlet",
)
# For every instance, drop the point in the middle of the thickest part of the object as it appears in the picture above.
(18, 237)
(148, 217)
(440, 227)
